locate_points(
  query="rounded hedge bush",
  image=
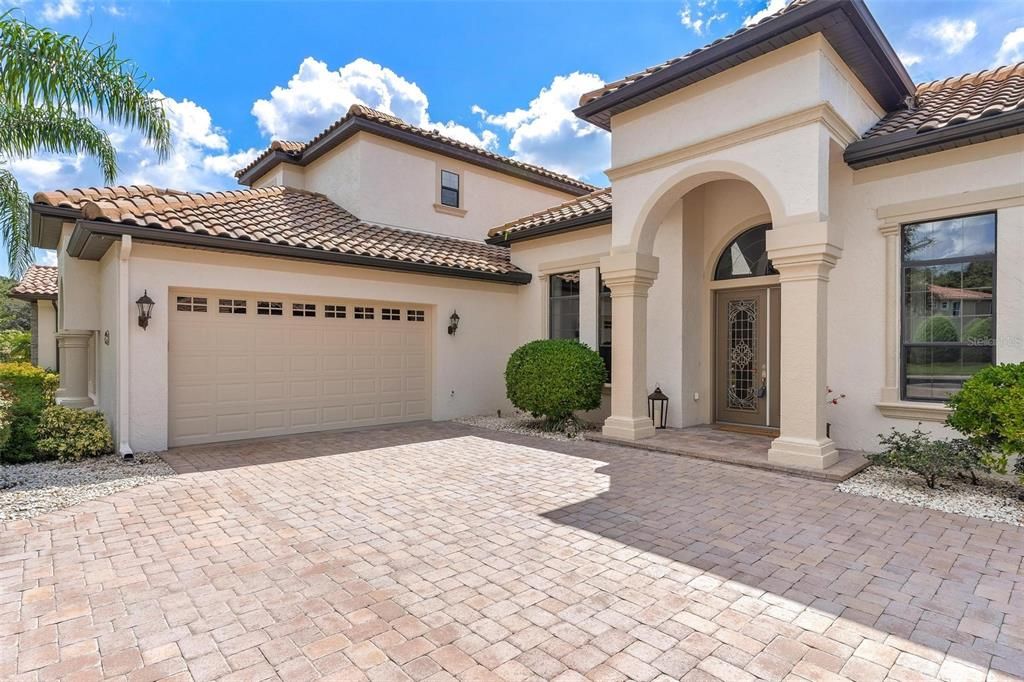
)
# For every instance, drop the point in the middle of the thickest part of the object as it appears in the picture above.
(937, 328)
(554, 378)
(989, 409)
(979, 330)
(70, 434)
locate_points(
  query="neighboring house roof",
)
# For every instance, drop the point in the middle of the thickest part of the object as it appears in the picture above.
(846, 24)
(363, 118)
(39, 282)
(954, 294)
(586, 211)
(272, 221)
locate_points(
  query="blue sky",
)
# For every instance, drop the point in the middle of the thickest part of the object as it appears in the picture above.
(500, 74)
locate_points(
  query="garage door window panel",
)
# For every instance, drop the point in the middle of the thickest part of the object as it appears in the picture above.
(272, 308)
(232, 306)
(303, 309)
(192, 304)
(363, 313)
(334, 312)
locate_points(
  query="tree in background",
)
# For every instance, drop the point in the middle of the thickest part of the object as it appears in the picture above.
(52, 86)
(14, 314)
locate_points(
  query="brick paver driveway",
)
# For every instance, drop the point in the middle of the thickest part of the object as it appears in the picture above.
(440, 552)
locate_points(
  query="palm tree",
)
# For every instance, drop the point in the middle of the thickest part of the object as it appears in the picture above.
(52, 88)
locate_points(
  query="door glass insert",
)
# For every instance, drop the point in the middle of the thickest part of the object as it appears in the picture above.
(742, 355)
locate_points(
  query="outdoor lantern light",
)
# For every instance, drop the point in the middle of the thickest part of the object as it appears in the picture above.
(453, 323)
(658, 401)
(145, 304)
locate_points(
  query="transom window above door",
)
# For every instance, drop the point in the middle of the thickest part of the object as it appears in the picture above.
(746, 256)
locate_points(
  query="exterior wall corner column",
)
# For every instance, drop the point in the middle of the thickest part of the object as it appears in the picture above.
(73, 349)
(891, 389)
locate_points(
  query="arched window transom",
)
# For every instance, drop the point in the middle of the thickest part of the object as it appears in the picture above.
(746, 256)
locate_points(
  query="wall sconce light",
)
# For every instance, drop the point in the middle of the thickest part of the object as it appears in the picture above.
(453, 323)
(145, 304)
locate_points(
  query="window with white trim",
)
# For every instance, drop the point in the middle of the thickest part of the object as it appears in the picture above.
(232, 306)
(450, 189)
(274, 308)
(192, 304)
(415, 316)
(303, 309)
(363, 313)
(390, 314)
(336, 312)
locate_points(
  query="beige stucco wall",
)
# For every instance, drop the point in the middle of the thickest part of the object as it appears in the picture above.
(45, 333)
(105, 379)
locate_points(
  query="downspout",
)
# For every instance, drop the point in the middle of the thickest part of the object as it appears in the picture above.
(124, 320)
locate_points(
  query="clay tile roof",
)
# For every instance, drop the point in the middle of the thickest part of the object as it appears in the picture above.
(296, 218)
(39, 281)
(954, 294)
(76, 198)
(614, 86)
(593, 204)
(296, 149)
(956, 100)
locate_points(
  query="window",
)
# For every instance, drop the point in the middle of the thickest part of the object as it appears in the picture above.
(948, 296)
(390, 314)
(231, 306)
(336, 312)
(192, 304)
(450, 189)
(746, 256)
(564, 306)
(362, 313)
(303, 309)
(604, 330)
(415, 316)
(269, 308)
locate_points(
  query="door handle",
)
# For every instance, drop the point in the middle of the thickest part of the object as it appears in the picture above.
(763, 391)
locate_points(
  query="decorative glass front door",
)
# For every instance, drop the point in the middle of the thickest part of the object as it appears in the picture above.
(745, 361)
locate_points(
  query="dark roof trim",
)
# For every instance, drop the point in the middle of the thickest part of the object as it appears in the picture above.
(46, 224)
(32, 297)
(880, 70)
(578, 223)
(91, 238)
(357, 124)
(874, 151)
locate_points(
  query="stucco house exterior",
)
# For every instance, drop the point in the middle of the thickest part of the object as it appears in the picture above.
(791, 212)
(38, 287)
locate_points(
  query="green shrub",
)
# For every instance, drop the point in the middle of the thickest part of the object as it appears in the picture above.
(979, 330)
(5, 419)
(15, 346)
(936, 328)
(31, 390)
(68, 434)
(989, 410)
(930, 459)
(554, 378)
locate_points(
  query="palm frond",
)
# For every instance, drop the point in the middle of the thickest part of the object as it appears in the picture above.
(43, 69)
(14, 224)
(28, 131)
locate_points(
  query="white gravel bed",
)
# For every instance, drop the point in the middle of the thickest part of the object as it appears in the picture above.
(995, 499)
(526, 426)
(42, 487)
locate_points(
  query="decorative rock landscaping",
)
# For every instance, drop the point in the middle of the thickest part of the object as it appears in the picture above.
(994, 498)
(28, 490)
(526, 426)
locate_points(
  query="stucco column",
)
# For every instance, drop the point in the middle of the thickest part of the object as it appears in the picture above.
(629, 276)
(804, 259)
(73, 348)
(891, 389)
(590, 289)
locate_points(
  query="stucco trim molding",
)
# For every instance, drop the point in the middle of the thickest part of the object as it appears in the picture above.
(554, 267)
(891, 216)
(925, 412)
(823, 113)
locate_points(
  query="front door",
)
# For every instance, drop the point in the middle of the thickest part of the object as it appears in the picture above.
(746, 356)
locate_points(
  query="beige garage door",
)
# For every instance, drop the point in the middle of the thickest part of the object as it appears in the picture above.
(252, 365)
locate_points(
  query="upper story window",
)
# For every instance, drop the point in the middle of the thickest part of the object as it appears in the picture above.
(948, 295)
(746, 256)
(450, 189)
(564, 306)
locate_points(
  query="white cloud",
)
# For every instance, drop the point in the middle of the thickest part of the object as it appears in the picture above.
(115, 10)
(317, 95)
(772, 7)
(910, 59)
(699, 16)
(45, 257)
(1011, 50)
(952, 34)
(61, 9)
(547, 133)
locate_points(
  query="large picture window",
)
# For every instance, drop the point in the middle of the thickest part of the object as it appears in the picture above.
(564, 306)
(604, 330)
(948, 321)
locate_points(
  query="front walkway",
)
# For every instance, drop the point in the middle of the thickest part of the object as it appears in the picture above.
(437, 551)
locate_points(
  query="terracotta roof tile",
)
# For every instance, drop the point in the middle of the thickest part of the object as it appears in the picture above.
(76, 198)
(957, 100)
(284, 216)
(588, 204)
(954, 294)
(296, 149)
(39, 281)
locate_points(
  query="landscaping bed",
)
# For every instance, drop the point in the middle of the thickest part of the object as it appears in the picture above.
(524, 425)
(28, 490)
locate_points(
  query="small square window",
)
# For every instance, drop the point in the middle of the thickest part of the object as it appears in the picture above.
(362, 313)
(415, 316)
(450, 189)
(192, 304)
(269, 308)
(336, 312)
(303, 309)
(231, 306)
(390, 314)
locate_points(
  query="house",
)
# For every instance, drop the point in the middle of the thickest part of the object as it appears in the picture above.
(39, 288)
(790, 212)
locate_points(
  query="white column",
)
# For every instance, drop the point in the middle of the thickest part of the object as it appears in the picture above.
(629, 276)
(73, 347)
(590, 289)
(891, 389)
(803, 258)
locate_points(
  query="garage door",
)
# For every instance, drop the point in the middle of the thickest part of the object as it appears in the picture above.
(252, 365)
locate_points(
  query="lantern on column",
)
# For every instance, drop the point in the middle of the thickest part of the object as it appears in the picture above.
(657, 408)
